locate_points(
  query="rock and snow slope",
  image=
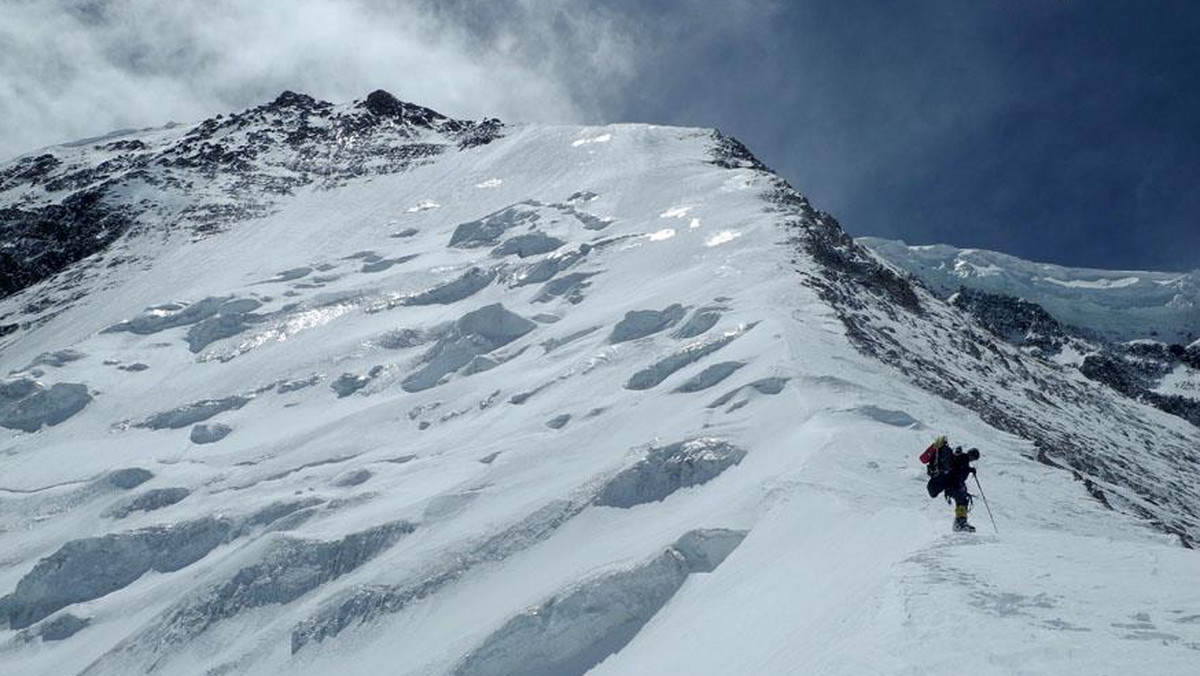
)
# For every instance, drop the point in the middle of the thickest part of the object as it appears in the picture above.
(1119, 334)
(571, 400)
(1110, 304)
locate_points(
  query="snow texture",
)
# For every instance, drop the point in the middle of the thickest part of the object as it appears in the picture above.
(190, 414)
(527, 245)
(701, 321)
(82, 570)
(148, 501)
(470, 283)
(667, 469)
(569, 287)
(289, 569)
(475, 333)
(664, 368)
(56, 359)
(28, 405)
(62, 627)
(129, 478)
(209, 433)
(572, 632)
(447, 515)
(355, 477)
(889, 416)
(209, 319)
(641, 323)
(710, 376)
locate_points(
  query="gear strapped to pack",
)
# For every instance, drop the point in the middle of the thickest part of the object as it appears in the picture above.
(937, 457)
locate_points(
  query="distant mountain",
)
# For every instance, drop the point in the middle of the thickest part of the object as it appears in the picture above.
(1115, 327)
(1107, 304)
(362, 389)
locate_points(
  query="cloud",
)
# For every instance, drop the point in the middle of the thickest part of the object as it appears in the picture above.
(1044, 132)
(75, 68)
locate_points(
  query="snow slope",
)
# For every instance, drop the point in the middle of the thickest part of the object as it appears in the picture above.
(1114, 304)
(574, 400)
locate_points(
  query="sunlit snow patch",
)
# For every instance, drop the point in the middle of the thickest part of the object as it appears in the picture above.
(665, 233)
(722, 237)
(490, 183)
(603, 138)
(695, 223)
(1181, 302)
(283, 330)
(423, 205)
(738, 183)
(964, 268)
(675, 212)
(1093, 283)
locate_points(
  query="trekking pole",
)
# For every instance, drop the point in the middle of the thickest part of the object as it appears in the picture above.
(985, 503)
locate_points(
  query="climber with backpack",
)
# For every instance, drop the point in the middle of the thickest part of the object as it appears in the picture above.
(948, 470)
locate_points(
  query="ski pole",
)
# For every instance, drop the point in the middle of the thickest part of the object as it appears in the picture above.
(985, 503)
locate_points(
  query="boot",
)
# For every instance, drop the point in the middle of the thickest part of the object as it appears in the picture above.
(960, 520)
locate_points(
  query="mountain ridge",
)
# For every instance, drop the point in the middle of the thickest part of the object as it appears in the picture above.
(61, 209)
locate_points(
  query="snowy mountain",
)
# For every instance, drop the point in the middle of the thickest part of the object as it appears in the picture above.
(363, 389)
(1113, 333)
(1106, 304)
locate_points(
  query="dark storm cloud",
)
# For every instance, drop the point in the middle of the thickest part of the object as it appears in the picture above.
(1060, 130)
(1054, 130)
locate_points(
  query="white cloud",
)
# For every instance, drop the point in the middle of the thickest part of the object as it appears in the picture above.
(76, 68)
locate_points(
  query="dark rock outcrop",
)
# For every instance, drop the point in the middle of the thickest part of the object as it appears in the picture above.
(1013, 320)
(76, 205)
(40, 241)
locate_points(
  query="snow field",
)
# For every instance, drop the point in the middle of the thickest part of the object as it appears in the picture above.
(568, 549)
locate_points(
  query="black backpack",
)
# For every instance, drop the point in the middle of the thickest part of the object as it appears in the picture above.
(940, 463)
(937, 465)
(936, 458)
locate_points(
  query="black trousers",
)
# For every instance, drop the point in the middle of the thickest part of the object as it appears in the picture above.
(960, 495)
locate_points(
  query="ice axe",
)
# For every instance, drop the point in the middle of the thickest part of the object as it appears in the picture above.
(985, 503)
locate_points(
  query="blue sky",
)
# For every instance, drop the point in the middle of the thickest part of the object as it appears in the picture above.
(1055, 130)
